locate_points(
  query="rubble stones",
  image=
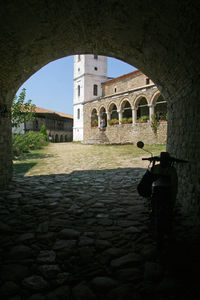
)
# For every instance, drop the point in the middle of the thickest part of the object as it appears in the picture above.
(74, 236)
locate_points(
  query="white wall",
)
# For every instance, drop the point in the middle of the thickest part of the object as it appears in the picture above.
(78, 123)
(87, 72)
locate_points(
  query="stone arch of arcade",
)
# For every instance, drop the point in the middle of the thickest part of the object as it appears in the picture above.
(158, 106)
(163, 51)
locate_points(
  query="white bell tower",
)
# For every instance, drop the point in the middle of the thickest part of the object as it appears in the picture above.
(89, 72)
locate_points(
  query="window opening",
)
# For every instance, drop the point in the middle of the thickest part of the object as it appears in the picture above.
(95, 90)
(147, 80)
(95, 68)
(78, 113)
(79, 90)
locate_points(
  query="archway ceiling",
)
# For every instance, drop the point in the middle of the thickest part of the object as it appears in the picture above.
(151, 35)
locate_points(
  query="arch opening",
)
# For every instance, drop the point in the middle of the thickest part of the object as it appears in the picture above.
(161, 109)
(94, 118)
(103, 116)
(114, 116)
(126, 112)
(142, 110)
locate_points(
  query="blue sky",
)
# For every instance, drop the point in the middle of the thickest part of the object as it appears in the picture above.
(52, 86)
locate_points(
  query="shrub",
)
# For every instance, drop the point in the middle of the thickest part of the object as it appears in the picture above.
(144, 118)
(29, 141)
(44, 131)
(94, 123)
(154, 123)
(130, 120)
(113, 122)
(124, 121)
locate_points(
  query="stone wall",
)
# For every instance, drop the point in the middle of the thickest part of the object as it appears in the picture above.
(184, 121)
(5, 146)
(127, 133)
(161, 40)
(124, 83)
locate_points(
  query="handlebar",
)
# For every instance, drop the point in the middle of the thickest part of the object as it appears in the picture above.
(171, 159)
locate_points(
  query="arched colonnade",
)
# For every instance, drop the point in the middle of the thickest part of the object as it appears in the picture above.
(138, 110)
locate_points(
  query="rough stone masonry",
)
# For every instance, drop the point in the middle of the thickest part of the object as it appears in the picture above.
(162, 40)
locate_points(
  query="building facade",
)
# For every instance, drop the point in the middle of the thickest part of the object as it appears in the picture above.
(59, 126)
(130, 106)
(89, 72)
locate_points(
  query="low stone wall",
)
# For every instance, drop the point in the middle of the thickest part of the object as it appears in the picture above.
(127, 133)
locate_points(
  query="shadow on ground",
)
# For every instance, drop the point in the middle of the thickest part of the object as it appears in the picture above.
(85, 235)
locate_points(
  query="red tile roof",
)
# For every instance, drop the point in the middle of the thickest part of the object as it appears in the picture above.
(48, 111)
(122, 77)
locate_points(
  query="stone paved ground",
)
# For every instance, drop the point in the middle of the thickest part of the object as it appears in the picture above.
(84, 235)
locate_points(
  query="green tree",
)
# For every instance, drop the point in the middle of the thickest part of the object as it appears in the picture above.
(22, 110)
(43, 131)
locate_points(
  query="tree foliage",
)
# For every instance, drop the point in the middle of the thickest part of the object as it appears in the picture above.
(23, 143)
(43, 131)
(22, 110)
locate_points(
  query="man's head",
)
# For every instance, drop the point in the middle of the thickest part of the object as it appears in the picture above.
(164, 159)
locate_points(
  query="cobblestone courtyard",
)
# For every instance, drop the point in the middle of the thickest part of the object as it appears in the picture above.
(79, 231)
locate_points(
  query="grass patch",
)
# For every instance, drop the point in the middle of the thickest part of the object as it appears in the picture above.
(132, 150)
(24, 163)
(68, 157)
(21, 168)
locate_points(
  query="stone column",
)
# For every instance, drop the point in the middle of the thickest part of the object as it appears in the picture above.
(134, 115)
(5, 145)
(108, 118)
(151, 111)
(120, 116)
(99, 119)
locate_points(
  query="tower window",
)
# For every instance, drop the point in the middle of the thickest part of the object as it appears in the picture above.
(78, 69)
(95, 56)
(95, 68)
(78, 113)
(79, 57)
(115, 89)
(147, 80)
(79, 90)
(95, 90)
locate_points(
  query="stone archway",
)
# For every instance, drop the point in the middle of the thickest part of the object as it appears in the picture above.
(114, 115)
(56, 138)
(142, 109)
(103, 115)
(126, 110)
(94, 118)
(163, 41)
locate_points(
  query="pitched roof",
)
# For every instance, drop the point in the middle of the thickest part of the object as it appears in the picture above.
(136, 72)
(48, 111)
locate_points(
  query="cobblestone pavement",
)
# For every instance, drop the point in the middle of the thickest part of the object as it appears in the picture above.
(85, 236)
